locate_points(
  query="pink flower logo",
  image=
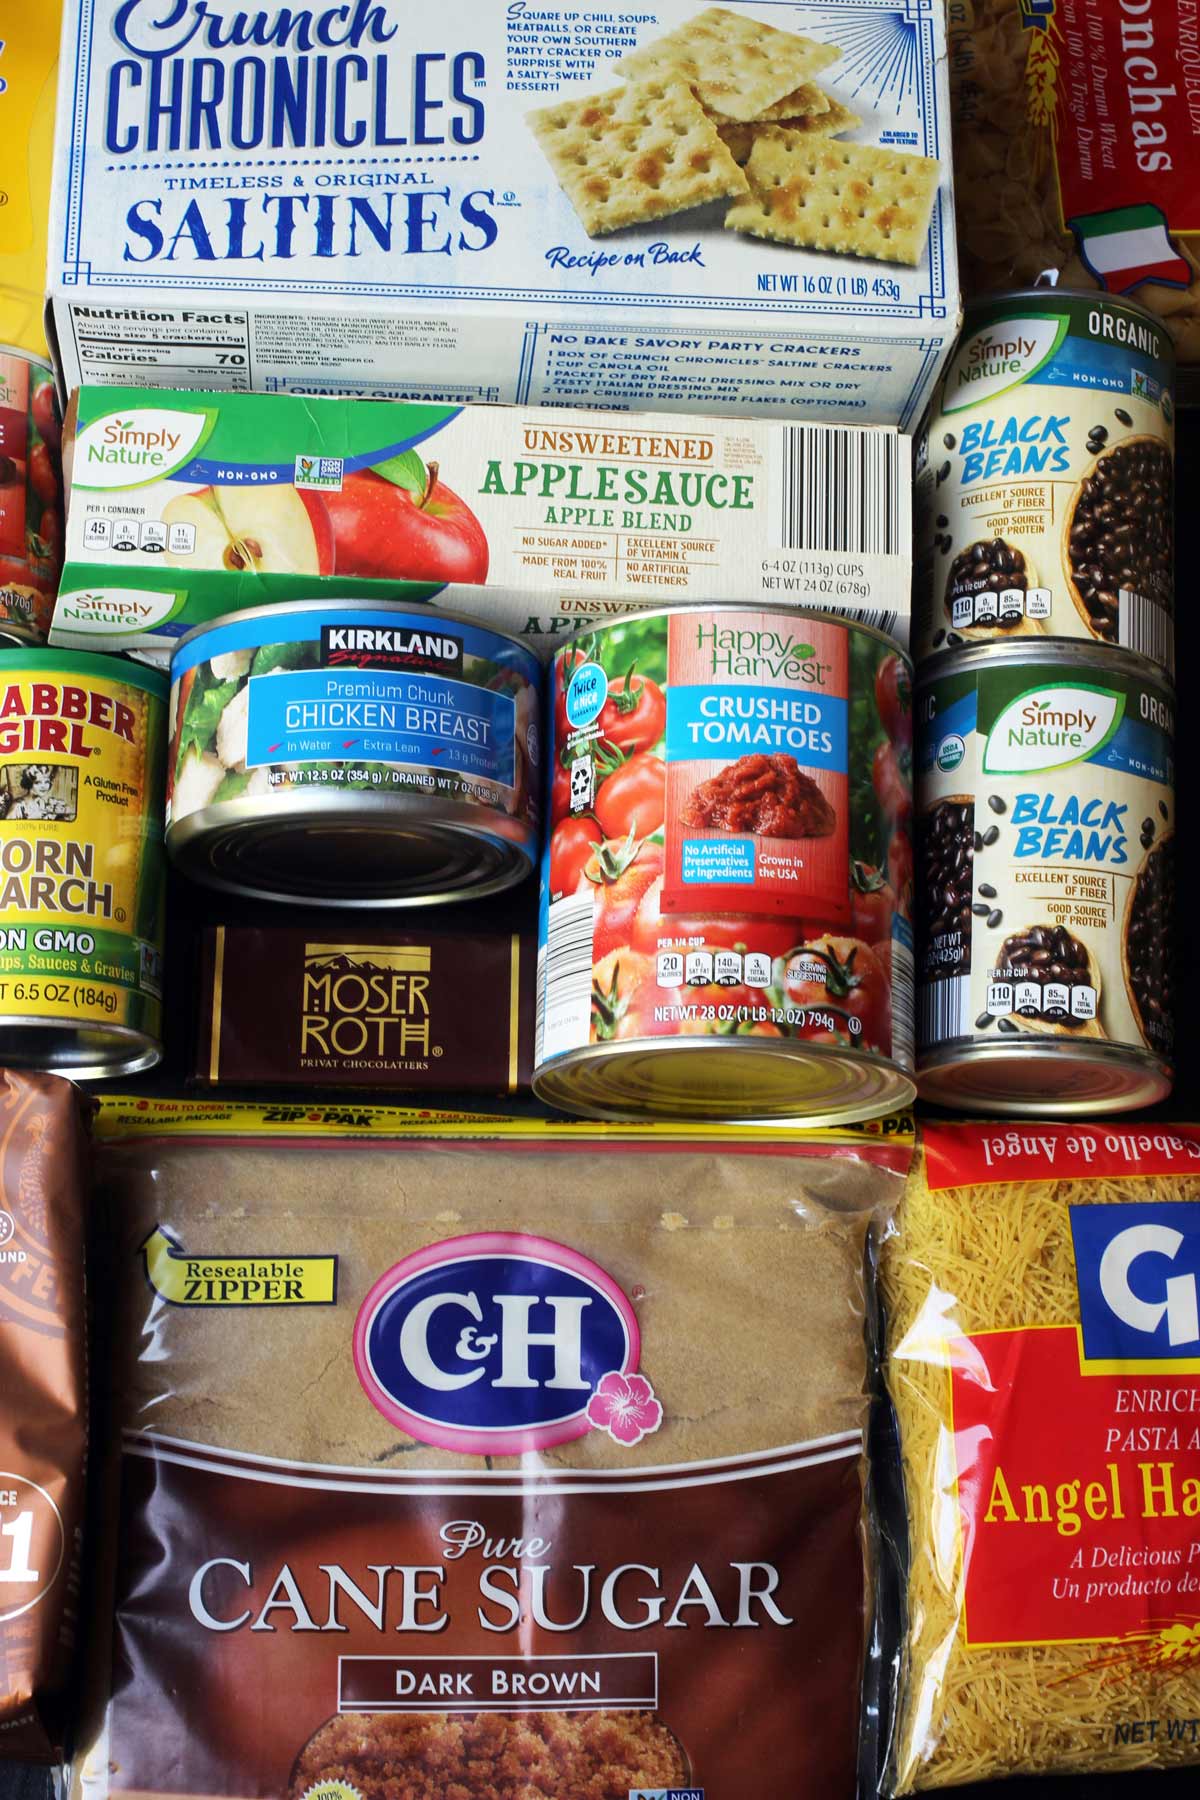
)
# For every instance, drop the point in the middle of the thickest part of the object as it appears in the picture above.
(625, 1407)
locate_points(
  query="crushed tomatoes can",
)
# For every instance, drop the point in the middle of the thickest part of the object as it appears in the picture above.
(726, 896)
(82, 767)
(356, 755)
(1045, 879)
(31, 499)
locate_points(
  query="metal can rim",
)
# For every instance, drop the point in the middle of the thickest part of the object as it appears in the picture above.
(190, 835)
(959, 1051)
(1046, 652)
(788, 1050)
(152, 1048)
(976, 303)
(88, 662)
(29, 356)
(283, 609)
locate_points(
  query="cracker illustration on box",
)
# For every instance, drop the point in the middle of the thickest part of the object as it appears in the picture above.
(851, 198)
(636, 153)
(737, 66)
(725, 107)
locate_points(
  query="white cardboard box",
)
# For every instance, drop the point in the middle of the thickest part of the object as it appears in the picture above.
(348, 199)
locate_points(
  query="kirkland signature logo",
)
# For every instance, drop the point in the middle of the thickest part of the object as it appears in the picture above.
(1138, 1274)
(498, 1342)
(391, 647)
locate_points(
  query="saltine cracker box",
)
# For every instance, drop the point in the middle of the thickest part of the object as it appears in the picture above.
(724, 209)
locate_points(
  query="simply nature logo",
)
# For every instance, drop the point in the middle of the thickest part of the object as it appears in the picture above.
(146, 444)
(1048, 728)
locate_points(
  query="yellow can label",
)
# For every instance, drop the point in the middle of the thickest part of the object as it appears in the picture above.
(82, 772)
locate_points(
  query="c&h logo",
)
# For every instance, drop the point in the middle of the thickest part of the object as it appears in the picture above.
(1138, 1273)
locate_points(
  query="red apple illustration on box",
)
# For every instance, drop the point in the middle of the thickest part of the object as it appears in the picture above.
(399, 521)
(395, 522)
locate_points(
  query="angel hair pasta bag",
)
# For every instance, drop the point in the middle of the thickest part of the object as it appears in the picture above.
(1043, 1292)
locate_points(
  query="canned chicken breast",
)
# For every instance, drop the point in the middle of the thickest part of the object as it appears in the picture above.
(725, 926)
(1045, 880)
(357, 755)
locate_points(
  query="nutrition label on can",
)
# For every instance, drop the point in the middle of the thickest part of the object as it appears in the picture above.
(184, 346)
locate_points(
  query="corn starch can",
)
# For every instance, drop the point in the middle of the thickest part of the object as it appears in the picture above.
(82, 776)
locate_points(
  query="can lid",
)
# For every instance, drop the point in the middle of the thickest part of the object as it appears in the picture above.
(723, 1079)
(1047, 1077)
(83, 1049)
(1102, 661)
(358, 855)
(37, 660)
(1047, 296)
(284, 622)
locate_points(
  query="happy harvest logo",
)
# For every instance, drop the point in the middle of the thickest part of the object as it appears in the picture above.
(497, 1343)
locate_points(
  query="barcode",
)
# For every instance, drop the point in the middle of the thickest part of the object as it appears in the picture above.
(903, 1001)
(887, 622)
(1145, 626)
(944, 1010)
(564, 976)
(838, 488)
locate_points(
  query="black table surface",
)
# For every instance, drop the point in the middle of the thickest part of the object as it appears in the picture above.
(24, 1784)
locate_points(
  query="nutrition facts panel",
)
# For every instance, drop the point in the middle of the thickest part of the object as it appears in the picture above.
(151, 346)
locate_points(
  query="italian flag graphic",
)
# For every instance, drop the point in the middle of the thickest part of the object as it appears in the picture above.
(1128, 245)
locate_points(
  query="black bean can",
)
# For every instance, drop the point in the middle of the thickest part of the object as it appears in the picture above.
(1044, 477)
(1045, 880)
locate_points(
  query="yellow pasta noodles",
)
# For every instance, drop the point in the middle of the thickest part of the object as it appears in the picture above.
(1044, 1364)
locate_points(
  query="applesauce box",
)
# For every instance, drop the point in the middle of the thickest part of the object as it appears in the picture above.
(741, 209)
(185, 507)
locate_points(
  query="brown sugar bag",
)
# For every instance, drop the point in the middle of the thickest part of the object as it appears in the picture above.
(525, 1466)
(43, 1404)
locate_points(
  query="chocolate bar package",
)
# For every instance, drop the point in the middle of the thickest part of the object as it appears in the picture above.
(348, 1003)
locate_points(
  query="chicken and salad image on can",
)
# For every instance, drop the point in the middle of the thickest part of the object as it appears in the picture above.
(1044, 479)
(726, 888)
(82, 866)
(357, 755)
(1045, 880)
